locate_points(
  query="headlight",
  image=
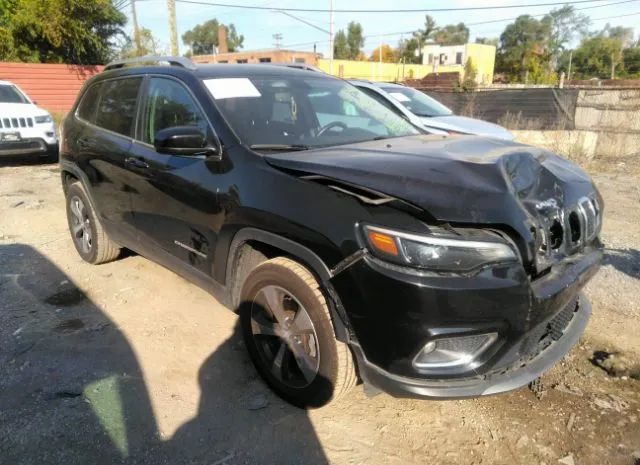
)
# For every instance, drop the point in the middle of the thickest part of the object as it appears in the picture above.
(435, 252)
(43, 119)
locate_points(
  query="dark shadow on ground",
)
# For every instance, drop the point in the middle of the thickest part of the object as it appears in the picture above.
(72, 391)
(625, 260)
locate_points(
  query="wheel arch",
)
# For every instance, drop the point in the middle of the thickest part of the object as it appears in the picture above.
(269, 245)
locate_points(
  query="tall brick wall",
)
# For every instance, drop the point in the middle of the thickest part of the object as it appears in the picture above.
(54, 87)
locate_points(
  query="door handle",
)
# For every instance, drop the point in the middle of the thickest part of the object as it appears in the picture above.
(136, 162)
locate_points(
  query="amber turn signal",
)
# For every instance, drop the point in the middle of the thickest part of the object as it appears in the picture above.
(383, 242)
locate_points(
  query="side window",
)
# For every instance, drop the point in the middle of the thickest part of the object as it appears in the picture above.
(169, 104)
(117, 108)
(89, 103)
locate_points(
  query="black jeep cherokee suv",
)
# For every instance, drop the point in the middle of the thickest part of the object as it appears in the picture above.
(352, 244)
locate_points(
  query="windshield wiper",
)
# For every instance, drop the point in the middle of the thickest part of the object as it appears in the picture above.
(280, 147)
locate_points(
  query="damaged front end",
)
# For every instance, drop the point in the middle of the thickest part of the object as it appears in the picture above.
(480, 291)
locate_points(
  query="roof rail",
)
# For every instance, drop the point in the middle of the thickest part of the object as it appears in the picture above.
(151, 59)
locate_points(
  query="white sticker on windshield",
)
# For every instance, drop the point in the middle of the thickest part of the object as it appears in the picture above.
(400, 97)
(231, 88)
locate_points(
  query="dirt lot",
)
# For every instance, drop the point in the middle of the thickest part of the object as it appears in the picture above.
(127, 362)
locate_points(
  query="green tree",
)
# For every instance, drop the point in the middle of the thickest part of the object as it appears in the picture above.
(631, 60)
(488, 41)
(452, 34)
(203, 38)
(148, 45)
(59, 31)
(523, 51)
(340, 46)
(355, 40)
(564, 26)
(597, 56)
(426, 34)
(470, 75)
(409, 50)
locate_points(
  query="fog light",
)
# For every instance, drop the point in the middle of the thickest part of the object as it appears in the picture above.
(453, 351)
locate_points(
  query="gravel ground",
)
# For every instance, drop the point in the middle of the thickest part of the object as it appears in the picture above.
(128, 363)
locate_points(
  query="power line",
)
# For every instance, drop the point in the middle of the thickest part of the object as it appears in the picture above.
(619, 16)
(417, 10)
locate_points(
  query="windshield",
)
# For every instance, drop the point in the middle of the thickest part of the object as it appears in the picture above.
(271, 113)
(417, 102)
(10, 94)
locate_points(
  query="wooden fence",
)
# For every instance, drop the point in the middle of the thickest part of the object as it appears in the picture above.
(54, 87)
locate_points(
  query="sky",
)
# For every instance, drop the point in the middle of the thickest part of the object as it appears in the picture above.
(258, 27)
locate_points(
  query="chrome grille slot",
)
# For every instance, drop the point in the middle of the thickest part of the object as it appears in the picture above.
(14, 122)
(7, 123)
(23, 122)
(589, 217)
(30, 122)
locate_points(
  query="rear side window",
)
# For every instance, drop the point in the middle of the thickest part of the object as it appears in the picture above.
(117, 108)
(89, 103)
(373, 94)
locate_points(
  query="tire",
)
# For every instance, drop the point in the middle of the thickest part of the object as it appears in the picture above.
(52, 154)
(325, 371)
(89, 238)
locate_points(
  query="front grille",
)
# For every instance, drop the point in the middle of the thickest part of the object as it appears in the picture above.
(16, 123)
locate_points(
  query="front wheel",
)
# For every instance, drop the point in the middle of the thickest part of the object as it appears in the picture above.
(288, 332)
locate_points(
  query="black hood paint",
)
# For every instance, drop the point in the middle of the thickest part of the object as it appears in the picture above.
(460, 179)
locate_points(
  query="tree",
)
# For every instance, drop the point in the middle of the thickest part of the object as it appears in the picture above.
(203, 38)
(355, 40)
(388, 54)
(452, 34)
(597, 57)
(149, 45)
(488, 41)
(564, 25)
(59, 31)
(470, 75)
(425, 35)
(409, 50)
(340, 46)
(631, 60)
(523, 48)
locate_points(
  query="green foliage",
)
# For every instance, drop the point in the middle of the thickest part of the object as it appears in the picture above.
(470, 74)
(59, 31)
(452, 34)
(409, 50)
(148, 45)
(203, 38)
(340, 46)
(596, 56)
(355, 40)
(631, 60)
(565, 25)
(488, 41)
(523, 47)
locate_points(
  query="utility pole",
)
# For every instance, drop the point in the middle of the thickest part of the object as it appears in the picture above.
(173, 31)
(569, 71)
(330, 36)
(277, 40)
(136, 31)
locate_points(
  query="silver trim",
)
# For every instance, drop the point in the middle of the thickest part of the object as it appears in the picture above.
(190, 249)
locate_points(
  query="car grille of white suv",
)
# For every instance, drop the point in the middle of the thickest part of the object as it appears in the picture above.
(11, 123)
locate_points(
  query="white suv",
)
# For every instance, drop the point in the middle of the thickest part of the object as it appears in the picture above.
(24, 127)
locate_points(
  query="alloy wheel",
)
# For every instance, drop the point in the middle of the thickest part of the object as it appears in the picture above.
(285, 336)
(80, 224)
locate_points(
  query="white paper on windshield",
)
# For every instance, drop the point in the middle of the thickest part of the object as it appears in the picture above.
(231, 88)
(400, 97)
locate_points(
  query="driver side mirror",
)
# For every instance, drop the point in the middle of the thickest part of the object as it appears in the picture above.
(183, 140)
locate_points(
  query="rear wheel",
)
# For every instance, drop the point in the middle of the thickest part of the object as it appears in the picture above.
(289, 335)
(89, 238)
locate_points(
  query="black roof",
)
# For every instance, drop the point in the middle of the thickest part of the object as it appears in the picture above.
(249, 70)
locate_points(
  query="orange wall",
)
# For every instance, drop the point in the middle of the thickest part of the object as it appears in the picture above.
(54, 87)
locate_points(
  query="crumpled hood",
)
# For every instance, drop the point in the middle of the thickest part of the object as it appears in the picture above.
(459, 179)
